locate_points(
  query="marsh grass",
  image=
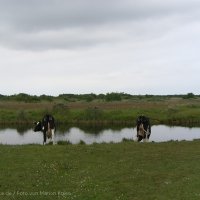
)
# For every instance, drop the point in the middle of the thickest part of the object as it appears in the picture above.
(127, 170)
(162, 109)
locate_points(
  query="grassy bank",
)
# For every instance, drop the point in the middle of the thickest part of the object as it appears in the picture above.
(160, 109)
(128, 170)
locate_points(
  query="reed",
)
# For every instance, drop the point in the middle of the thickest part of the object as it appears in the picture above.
(163, 110)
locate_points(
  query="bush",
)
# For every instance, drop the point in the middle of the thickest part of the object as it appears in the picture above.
(93, 113)
(25, 98)
(113, 97)
(189, 96)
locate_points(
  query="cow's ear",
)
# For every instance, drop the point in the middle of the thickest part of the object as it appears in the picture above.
(34, 122)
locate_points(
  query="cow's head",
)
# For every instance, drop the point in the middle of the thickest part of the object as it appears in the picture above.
(38, 126)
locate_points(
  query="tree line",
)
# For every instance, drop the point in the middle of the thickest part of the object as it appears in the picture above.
(113, 96)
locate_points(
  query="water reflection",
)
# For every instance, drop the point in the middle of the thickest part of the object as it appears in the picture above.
(90, 128)
(75, 135)
(12, 136)
(21, 129)
(96, 134)
(164, 133)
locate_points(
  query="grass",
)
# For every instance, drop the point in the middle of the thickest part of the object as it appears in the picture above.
(127, 170)
(167, 110)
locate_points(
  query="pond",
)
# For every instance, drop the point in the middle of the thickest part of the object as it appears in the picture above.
(74, 135)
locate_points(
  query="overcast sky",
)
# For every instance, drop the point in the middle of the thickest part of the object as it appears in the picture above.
(98, 46)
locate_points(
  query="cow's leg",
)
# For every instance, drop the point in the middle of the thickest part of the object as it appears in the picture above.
(44, 137)
(146, 139)
(53, 135)
(139, 138)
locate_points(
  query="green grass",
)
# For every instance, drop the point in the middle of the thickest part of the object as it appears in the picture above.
(166, 110)
(127, 170)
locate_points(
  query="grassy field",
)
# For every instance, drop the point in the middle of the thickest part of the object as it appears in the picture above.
(162, 109)
(127, 171)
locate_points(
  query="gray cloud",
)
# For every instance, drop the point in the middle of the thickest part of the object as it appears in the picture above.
(40, 25)
(135, 46)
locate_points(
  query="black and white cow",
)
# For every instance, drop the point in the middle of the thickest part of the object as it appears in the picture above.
(143, 128)
(47, 126)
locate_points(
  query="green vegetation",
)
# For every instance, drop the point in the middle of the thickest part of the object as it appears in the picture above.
(127, 170)
(102, 108)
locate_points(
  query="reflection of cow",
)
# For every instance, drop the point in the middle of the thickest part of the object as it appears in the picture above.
(143, 128)
(47, 126)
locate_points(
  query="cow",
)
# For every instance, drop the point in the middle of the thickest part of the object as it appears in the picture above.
(143, 128)
(47, 126)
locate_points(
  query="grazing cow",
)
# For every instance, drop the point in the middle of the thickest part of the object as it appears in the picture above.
(143, 128)
(47, 126)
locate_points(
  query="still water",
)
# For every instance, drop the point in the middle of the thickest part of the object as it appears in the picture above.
(160, 133)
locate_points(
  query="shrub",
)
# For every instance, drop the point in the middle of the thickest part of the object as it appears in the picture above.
(113, 97)
(93, 113)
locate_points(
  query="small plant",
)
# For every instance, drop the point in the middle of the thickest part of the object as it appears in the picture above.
(127, 140)
(64, 142)
(81, 142)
